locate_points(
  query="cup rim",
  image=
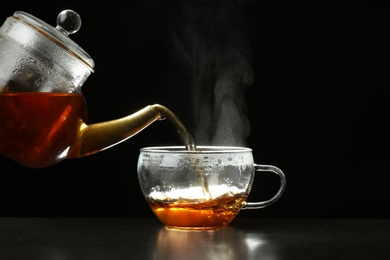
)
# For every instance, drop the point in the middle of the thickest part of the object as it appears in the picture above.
(201, 149)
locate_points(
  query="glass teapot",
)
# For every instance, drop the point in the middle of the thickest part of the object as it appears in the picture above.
(43, 113)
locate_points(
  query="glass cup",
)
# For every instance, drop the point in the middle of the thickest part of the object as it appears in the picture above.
(203, 189)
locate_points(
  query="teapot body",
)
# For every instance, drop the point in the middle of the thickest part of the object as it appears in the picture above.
(43, 113)
(41, 103)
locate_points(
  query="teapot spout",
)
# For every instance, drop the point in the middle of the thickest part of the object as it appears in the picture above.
(96, 137)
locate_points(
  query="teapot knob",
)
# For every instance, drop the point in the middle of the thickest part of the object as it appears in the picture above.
(68, 22)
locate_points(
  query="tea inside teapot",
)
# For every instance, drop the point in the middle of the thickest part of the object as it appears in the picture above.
(37, 129)
(41, 129)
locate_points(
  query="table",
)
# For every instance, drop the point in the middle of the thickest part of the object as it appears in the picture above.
(146, 238)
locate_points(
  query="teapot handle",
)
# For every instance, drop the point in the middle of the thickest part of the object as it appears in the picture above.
(262, 204)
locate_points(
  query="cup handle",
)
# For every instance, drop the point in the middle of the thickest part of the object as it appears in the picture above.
(262, 204)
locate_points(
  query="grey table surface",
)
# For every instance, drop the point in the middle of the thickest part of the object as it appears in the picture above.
(146, 238)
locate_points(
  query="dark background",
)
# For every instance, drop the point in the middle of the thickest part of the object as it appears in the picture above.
(318, 107)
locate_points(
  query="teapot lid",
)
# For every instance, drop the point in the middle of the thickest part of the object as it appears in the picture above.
(68, 22)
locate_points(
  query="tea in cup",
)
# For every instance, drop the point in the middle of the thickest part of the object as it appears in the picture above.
(203, 189)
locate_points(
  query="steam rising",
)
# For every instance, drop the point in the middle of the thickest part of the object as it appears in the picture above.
(209, 40)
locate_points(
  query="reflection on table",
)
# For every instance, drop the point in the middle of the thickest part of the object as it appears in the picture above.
(230, 243)
(135, 238)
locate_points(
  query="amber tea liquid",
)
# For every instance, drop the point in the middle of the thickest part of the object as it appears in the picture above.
(197, 214)
(35, 128)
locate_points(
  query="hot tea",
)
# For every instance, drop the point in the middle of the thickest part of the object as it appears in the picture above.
(197, 213)
(202, 189)
(35, 128)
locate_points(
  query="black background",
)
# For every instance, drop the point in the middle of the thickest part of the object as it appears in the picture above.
(318, 107)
